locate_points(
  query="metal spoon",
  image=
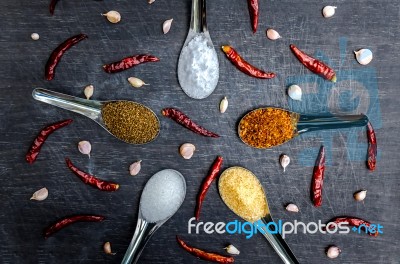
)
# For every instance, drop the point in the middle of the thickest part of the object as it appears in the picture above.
(306, 123)
(157, 195)
(257, 211)
(198, 77)
(88, 108)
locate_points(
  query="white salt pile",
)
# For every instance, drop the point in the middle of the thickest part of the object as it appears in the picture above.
(198, 68)
(163, 195)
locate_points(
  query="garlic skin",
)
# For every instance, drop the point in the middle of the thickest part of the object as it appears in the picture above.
(294, 92)
(35, 36)
(107, 248)
(167, 25)
(363, 56)
(88, 91)
(360, 195)
(272, 34)
(85, 147)
(284, 161)
(328, 11)
(223, 105)
(292, 208)
(136, 82)
(231, 249)
(333, 252)
(135, 168)
(187, 150)
(113, 16)
(40, 195)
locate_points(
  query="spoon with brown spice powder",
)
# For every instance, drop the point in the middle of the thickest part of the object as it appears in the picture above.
(269, 127)
(128, 121)
(243, 193)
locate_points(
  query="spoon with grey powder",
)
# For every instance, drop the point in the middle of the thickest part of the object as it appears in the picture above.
(198, 68)
(128, 121)
(161, 198)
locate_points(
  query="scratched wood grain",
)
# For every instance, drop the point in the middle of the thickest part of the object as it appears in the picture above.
(372, 24)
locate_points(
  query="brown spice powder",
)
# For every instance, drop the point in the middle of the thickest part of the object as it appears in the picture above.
(268, 127)
(243, 194)
(130, 122)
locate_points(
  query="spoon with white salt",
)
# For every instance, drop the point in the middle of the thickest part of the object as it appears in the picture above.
(198, 68)
(161, 198)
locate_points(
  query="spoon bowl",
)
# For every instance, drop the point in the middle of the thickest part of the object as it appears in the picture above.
(161, 198)
(243, 193)
(198, 68)
(289, 125)
(91, 109)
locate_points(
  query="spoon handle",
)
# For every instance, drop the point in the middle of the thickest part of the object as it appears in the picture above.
(277, 241)
(314, 123)
(198, 20)
(89, 108)
(144, 231)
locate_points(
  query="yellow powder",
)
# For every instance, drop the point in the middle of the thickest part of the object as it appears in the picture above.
(243, 194)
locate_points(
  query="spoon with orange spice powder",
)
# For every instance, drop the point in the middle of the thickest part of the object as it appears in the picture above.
(270, 126)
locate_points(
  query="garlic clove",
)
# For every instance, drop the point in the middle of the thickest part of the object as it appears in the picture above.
(284, 161)
(187, 150)
(223, 105)
(360, 195)
(88, 91)
(294, 92)
(151, 1)
(363, 56)
(113, 16)
(85, 147)
(167, 25)
(40, 195)
(135, 168)
(107, 248)
(272, 34)
(333, 252)
(136, 82)
(292, 208)
(35, 36)
(231, 249)
(328, 11)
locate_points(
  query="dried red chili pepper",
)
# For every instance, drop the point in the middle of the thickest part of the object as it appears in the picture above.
(92, 180)
(56, 55)
(37, 144)
(52, 6)
(186, 122)
(212, 175)
(128, 63)
(354, 221)
(372, 147)
(318, 178)
(253, 10)
(203, 254)
(70, 220)
(244, 66)
(314, 65)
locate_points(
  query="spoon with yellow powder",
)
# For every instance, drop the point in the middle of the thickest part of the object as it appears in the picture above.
(270, 126)
(242, 192)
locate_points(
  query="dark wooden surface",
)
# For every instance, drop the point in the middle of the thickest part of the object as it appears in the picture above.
(371, 89)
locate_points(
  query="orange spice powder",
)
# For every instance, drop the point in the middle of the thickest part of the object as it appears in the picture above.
(268, 127)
